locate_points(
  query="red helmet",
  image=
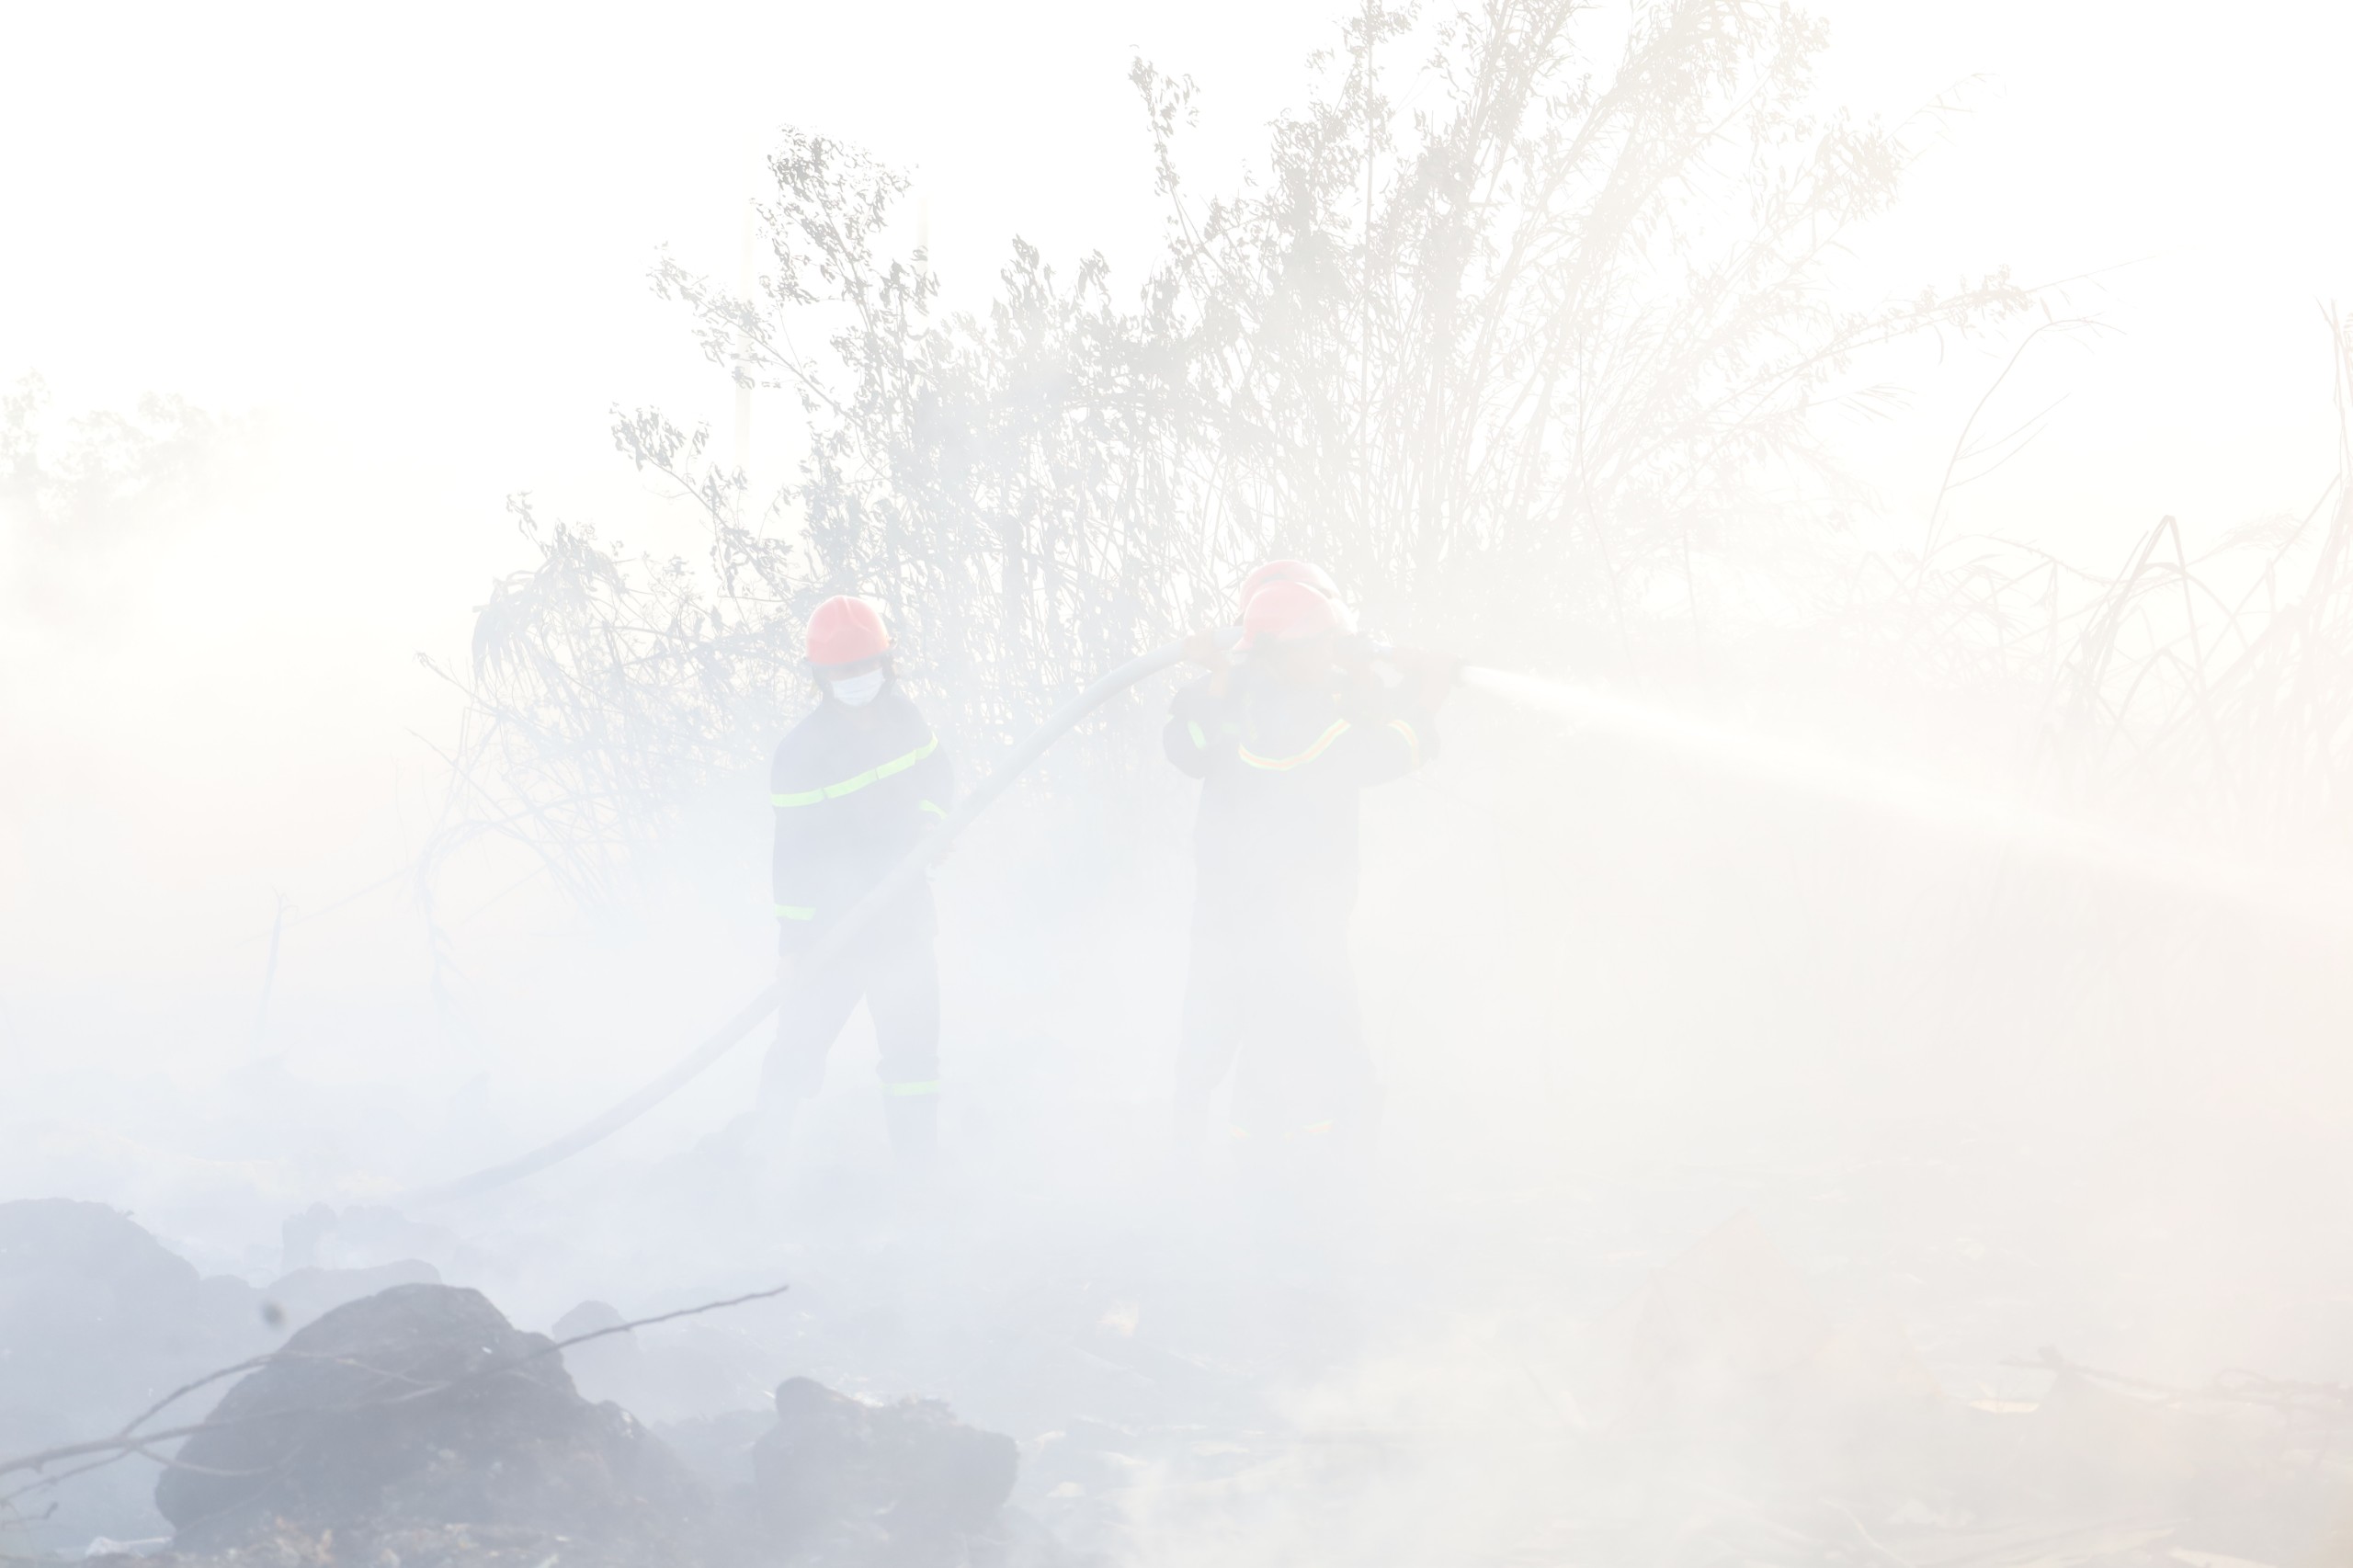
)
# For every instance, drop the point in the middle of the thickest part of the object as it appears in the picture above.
(1287, 611)
(1314, 576)
(846, 631)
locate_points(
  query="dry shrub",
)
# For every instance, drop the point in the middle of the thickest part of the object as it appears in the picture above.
(1510, 361)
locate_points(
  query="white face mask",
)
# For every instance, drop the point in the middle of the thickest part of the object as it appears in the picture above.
(858, 690)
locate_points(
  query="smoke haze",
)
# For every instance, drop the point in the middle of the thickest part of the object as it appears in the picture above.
(1901, 934)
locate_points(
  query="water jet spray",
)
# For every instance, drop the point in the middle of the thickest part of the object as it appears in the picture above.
(1895, 792)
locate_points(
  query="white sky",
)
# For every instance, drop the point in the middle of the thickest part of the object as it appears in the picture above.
(418, 236)
(424, 230)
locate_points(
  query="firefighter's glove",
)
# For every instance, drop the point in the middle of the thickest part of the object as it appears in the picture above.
(1208, 650)
(1429, 675)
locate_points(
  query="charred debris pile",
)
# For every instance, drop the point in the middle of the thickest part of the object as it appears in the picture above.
(412, 1424)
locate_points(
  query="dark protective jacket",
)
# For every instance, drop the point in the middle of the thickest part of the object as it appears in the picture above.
(854, 789)
(1280, 768)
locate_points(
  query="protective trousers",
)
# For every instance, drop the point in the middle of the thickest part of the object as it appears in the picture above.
(898, 978)
(1271, 996)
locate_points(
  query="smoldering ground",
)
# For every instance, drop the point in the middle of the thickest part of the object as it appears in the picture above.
(1698, 1228)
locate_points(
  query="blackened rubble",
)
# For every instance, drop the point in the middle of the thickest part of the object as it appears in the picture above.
(420, 1426)
(416, 1425)
(98, 1319)
(839, 1481)
(422, 1406)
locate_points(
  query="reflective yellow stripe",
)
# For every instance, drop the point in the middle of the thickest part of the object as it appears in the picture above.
(796, 912)
(1412, 739)
(872, 775)
(929, 1086)
(934, 807)
(1200, 739)
(1280, 764)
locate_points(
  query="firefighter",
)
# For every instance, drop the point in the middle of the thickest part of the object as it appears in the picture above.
(1283, 740)
(854, 784)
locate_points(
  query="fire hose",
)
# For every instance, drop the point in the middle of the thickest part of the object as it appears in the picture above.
(828, 948)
